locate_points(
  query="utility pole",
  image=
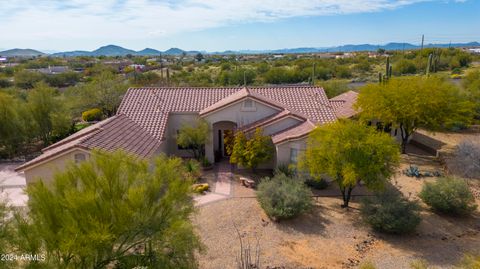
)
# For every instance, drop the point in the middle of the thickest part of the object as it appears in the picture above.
(313, 75)
(423, 38)
(244, 78)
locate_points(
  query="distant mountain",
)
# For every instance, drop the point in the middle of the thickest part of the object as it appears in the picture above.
(113, 50)
(21, 53)
(174, 51)
(148, 52)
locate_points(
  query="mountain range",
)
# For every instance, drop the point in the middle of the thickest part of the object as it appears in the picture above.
(113, 50)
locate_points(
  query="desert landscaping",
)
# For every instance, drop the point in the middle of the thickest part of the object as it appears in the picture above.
(332, 237)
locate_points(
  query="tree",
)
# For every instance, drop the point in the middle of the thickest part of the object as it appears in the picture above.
(12, 127)
(27, 79)
(194, 137)
(253, 151)
(471, 83)
(414, 102)
(112, 210)
(105, 91)
(50, 118)
(350, 152)
(199, 57)
(5, 234)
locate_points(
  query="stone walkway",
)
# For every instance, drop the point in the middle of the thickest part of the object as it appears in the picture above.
(223, 185)
(12, 185)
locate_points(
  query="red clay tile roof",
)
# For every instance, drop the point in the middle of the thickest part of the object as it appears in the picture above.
(149, 107)
(275, 117)
(343, 104)
(141, 120)
(297, 131)
(111, 134)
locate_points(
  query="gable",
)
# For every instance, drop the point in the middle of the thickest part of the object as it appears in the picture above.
(244, 111)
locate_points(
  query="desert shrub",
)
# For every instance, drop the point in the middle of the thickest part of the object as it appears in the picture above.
(449, 195)
(318, 184)
(470, 262)
(283, 197)
(200, 188)
(192, 167)
(367, 265)
(390, 212)
(466, 160)
(94, 114)
(285, 169)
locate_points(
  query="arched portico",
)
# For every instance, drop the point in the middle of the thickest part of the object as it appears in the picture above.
(220, 130)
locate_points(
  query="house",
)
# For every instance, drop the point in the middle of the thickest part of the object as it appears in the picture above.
(53, 70)
(148, 120)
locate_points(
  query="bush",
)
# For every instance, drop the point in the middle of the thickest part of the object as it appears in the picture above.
(94, 114)
(317, 184)
(283, 197)
(192, 168)
(390, 212)
(285, 169)
(449, 195)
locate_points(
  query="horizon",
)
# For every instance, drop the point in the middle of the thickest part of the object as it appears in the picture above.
(227, 25)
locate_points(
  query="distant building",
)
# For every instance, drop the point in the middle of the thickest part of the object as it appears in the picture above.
(474, 50)
(53, 70)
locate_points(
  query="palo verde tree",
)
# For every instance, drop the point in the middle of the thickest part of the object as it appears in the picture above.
(414, 102)
(350, 152)
(112, 210)
(251, 152)
(194, 137)
(49, 116)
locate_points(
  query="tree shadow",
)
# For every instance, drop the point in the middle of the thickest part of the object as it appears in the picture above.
(310, 223)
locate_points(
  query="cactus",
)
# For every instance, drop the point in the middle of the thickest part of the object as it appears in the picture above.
(380, 76)
(387, 67)
(390, 72)
(429, 64)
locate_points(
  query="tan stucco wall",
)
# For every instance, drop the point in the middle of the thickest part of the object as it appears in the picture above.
(175, 122)
(283, 150)
(45, 171)
(235, 113)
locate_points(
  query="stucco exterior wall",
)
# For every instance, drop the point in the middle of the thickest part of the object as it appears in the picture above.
(45, 171)
(236, 113)
(284, 149)
(175, 123)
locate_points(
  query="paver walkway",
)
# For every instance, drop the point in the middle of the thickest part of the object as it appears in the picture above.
(223, 185)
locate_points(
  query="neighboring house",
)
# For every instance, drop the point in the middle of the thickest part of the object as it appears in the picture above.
(53, 70)
(148, 120)
(343, 104)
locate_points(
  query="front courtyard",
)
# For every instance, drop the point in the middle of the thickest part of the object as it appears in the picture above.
(329, 236)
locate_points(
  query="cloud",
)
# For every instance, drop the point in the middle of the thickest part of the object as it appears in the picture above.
(133, 19)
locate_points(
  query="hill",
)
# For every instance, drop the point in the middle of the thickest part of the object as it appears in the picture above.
(21, 53)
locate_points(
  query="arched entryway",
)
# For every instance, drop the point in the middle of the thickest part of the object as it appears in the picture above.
(222, 130)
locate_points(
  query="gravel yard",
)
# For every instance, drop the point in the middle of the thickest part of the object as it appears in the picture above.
(332, 237)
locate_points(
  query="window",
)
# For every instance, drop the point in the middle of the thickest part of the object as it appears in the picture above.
(248, 105)
(293, 155)
(79, 157)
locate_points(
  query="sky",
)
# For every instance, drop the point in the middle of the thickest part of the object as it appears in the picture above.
(218, 25)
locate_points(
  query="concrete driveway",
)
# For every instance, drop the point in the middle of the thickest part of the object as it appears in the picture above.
(12, 185)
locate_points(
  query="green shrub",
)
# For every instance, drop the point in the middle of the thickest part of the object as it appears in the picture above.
(94, 114)
(285, 169)
(390, 212)
(192, 168)
(449, 195)
(317, 184)
(283, 197)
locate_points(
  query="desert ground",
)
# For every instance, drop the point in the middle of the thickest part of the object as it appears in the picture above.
(333, 237)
